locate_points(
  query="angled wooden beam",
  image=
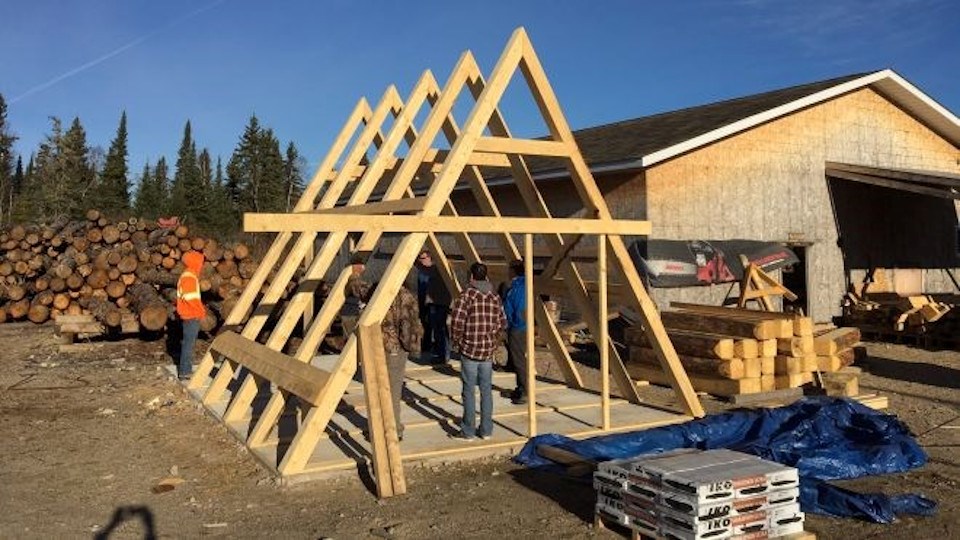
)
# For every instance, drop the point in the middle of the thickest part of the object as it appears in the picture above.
(590, 194)
(294, 257)
(361, 113)
(295, 307)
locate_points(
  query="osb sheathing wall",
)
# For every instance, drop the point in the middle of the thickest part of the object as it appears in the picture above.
(768, 184)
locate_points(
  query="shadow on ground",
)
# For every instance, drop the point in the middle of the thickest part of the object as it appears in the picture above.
(918, 372)
(573, 494)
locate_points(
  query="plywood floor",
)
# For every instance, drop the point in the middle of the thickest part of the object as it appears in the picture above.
(431, 411)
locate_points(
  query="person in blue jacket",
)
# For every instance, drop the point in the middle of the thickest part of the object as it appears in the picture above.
(515, 307)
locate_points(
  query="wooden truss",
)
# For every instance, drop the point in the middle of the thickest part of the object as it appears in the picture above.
(759, 286)
(484, 140)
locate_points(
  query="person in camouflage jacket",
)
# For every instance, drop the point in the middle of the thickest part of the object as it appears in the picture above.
(402, 333)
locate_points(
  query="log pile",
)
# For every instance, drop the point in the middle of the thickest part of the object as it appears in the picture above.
(112, 270)
(730, 351)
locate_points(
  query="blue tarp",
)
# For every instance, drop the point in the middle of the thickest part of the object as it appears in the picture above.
(824, 438)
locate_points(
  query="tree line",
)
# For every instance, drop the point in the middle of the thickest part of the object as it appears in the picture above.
(65, 176)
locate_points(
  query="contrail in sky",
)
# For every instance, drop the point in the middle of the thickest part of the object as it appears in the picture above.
(111, 54)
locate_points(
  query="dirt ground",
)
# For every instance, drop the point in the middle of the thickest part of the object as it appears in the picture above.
(87, 438)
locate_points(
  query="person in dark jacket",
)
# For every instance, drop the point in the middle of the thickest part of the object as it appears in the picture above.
(437, 303)
(515, 307)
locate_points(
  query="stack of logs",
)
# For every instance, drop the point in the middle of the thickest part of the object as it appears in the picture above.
(735, 351)
(112, 270)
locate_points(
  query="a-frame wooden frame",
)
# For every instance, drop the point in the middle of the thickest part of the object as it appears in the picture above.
(420, 219)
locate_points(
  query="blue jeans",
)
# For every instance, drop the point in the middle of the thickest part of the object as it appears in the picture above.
(472, 373)
(438, 331)
(191, 327)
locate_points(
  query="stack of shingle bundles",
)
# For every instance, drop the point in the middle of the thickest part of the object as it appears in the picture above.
(717, 495)
(730, 351)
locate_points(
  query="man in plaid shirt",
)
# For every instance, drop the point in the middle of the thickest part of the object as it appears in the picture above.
(477, 327)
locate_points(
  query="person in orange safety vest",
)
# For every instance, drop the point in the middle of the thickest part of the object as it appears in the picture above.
(190, 309)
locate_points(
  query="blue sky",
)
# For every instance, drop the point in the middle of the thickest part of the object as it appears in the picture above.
(300, 66)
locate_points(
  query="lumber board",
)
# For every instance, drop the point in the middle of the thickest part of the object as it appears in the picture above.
(729, 369)
(752, 368)
(758, 329)
(841, 384)
(298, 378)
(873, 401)
(314, 222)
(710, 385)
(768, 382)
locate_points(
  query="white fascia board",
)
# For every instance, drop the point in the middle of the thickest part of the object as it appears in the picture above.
(757, 119)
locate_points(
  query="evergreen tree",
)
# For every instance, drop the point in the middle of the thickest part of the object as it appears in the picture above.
(293, 166)
(188, 196)
(223, 215)
(256, 171)
(147, 199)
(6, 164)
(113, 195)
(46, 189)
(78, 172)
(161, 178)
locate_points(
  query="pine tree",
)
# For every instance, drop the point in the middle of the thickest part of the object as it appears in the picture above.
(146, 200)
(78, 173)
(114, 189)
(188, 196)
(161, 178)
(256, 171)
(6, 164)
(293, 166)
(223, 215)
(45, 192)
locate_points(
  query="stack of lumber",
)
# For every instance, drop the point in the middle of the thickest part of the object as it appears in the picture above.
(112, 270)
(835, 348)
(888, 314)
(730, 351)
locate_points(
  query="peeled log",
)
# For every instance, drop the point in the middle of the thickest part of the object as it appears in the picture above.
(150, 308)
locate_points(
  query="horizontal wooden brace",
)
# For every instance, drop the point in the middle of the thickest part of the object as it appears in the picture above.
(303, 222)
(379, 207)
(533, 147)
